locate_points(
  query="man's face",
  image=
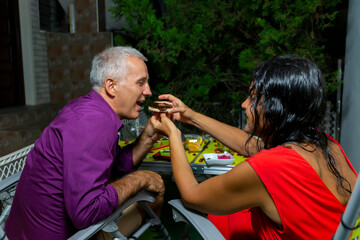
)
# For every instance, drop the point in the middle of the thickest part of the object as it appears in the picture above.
(131, 92)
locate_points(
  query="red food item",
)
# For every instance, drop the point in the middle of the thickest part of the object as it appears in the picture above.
(156, 148)
(159, 156)
(223, 157)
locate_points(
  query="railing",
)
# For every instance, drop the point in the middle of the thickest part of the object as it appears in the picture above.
(11, 166)
(331, 122)
(13, 162)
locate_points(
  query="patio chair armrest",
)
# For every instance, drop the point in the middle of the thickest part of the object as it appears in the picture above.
(198, 220)
(141, 196)
(9, 181)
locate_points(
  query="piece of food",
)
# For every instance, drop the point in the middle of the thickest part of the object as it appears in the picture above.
(160, 106)
(162, 155)
(160, 144)
(194, 145)
(223, 156)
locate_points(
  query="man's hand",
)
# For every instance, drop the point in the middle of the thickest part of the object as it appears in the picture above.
(163, 124)
(144, 142)
(129, 185)
(151, 133)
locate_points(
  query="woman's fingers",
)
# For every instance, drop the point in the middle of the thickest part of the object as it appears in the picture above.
(175, 101)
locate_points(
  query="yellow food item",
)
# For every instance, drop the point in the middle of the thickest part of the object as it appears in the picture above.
(194, 145)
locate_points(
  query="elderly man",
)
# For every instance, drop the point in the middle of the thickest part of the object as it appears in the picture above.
(68, 180)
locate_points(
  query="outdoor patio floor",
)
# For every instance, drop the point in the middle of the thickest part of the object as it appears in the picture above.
(177, 230)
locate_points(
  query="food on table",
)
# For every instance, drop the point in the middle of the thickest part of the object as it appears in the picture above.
(194, 145)
(162, 143)
(224, 156)
(220, 159)
(163, 155)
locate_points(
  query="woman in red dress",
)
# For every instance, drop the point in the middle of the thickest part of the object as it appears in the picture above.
(297, 180)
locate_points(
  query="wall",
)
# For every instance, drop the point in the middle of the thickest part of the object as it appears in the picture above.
(34, 51)
(40, 57)
(70, 55)
(57, 65)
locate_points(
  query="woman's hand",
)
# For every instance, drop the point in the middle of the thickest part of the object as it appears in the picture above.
(180, 112)
(163, 124)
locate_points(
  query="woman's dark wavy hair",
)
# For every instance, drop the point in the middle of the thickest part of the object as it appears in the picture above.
(290, 92)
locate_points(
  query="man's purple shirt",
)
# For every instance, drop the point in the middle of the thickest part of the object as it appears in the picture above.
(65, 183)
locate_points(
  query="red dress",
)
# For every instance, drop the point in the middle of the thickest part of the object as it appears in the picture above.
(307, 208)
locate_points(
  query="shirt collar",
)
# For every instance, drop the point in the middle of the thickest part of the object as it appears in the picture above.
(97, 97)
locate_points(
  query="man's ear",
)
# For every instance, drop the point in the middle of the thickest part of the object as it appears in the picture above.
(110, 86)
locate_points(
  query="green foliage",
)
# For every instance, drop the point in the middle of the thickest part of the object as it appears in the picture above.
(204, 52)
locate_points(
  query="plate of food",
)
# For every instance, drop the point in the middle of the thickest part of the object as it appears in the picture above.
(218, 159)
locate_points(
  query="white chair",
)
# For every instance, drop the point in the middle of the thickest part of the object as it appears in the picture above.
(197, 220)
(110, 224)
(7, 192)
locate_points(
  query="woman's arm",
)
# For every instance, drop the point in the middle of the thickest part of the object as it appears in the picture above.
(236, 190)
(232, 137)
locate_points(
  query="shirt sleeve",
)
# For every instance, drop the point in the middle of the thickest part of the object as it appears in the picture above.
(124, 160)
(89, 150)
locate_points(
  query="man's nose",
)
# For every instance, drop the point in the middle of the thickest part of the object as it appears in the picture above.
(147, 91)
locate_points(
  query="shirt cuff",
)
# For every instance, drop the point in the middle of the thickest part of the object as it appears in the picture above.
(113, 200)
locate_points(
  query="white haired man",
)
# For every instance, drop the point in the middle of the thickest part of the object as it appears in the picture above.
(67, 182)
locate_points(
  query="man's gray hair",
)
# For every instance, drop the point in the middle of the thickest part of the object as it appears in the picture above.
(112, 62)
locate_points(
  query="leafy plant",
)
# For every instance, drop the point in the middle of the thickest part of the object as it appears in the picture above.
(204, 52)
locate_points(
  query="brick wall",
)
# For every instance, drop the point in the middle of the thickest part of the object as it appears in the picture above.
(40, 57)
(70, 55)
(62, 61)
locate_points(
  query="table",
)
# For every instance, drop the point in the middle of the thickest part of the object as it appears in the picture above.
(196, 159)
(199, 165)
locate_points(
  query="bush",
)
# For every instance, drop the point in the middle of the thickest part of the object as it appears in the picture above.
(204, 52)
